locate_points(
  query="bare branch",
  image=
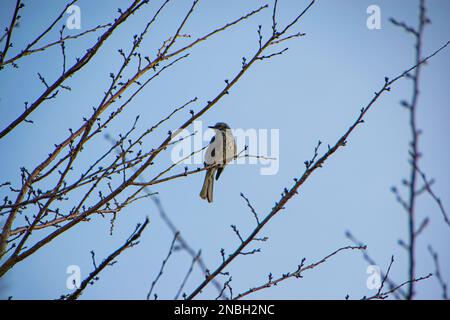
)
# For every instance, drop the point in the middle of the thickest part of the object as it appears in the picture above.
(386, 294)
(163, 264)
(298, 273)
(398, 292)
(427, 187)
(10, 30)
(251, 208)
(437, 273)
(131, 241)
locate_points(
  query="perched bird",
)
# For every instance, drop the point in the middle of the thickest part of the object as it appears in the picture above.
(221, 150)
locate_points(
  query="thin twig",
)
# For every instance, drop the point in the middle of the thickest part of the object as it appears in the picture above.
(297, 273)
(438, 274)
(131, 241)
(163, 264)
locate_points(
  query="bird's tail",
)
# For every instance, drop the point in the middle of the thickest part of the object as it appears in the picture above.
(207, 189)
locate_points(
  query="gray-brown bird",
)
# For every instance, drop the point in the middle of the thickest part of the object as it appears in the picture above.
(221, 150)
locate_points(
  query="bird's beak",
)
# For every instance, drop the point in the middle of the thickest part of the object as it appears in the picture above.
(211, 127)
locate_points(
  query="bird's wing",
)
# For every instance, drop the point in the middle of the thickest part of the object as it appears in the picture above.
(211, 152)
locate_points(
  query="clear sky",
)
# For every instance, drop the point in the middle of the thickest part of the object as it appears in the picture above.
(313, 91)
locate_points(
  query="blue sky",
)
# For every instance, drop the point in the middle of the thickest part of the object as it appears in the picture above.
(313, 91)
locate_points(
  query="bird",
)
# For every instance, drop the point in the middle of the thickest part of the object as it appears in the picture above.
(221, 150)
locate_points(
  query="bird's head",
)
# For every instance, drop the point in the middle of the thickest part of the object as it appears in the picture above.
(221, 126)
